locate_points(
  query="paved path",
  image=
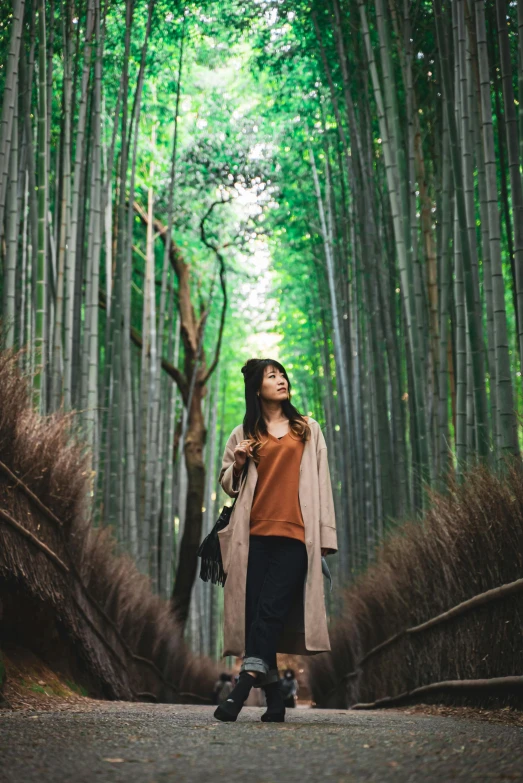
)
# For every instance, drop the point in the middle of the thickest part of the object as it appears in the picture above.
(136, 743)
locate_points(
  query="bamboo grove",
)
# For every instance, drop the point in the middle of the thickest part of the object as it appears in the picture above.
(95, 290)
(401, 202)
(152, 153)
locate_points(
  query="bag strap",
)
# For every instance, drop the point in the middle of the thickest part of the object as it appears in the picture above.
(242, 476)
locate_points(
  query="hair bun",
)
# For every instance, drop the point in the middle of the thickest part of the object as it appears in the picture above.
(250, 366)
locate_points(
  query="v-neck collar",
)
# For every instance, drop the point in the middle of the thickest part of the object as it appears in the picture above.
(278, 440)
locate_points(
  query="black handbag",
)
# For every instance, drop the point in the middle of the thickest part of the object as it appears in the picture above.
(211, 568)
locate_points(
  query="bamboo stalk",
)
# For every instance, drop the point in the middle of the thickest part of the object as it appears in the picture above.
(507, 431)
(397, 179)
(150, 380)
(167, 551)
(125, 234)
(116, 375)
(485, 243)
(339, 352)
(9, 282)
(473, 317)
(111, 382)
(71, 260)
(94, 250)
(446, 210)
(9, 99)
(513, 148)
(41, 332)
(165, 557)
(26, 86)
(65, 216)
(24, 275)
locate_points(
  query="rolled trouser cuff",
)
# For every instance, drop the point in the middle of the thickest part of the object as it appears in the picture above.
(258, 665)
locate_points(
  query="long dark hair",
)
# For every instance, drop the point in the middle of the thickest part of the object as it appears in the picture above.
(254, 425)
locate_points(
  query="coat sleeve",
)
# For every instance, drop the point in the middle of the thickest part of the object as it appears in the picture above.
(327, 516)
(226, 473)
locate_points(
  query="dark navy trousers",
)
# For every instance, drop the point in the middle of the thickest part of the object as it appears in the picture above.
(276, 572)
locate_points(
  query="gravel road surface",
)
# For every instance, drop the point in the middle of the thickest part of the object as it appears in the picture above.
(142, 743)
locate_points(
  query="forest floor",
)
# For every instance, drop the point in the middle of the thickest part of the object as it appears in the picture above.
(89, 740)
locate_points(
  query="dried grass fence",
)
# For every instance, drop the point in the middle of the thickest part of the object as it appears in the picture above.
(398, 640)
(64, 591)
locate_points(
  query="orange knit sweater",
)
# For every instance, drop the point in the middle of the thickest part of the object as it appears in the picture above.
(276, 506)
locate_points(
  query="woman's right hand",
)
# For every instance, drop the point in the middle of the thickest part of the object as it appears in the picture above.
(241, 452)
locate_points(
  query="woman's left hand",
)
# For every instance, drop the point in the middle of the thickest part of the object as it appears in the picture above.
(324, 551)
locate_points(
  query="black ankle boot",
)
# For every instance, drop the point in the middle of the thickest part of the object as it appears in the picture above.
(231, 707)
(275, 707)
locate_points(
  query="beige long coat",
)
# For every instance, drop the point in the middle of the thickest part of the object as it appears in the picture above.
(306, 628)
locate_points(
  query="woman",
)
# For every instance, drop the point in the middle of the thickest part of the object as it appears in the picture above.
(282, 524)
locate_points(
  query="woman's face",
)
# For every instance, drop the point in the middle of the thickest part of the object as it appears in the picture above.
(274, 385)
